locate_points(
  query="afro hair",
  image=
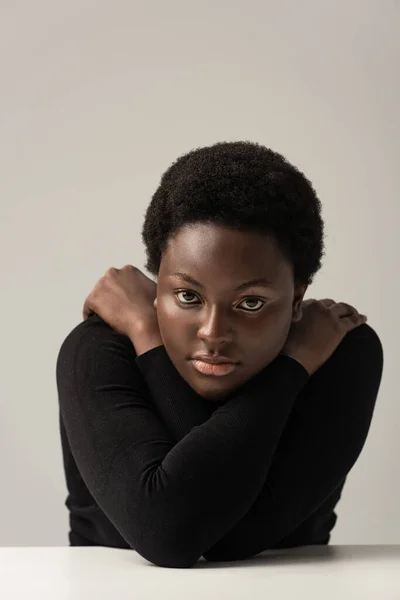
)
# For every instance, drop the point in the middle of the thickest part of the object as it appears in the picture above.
(244, 186)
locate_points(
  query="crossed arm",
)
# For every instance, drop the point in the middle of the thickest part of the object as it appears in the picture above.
(181, 482)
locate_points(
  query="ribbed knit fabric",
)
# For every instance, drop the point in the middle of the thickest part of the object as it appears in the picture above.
(153, 466)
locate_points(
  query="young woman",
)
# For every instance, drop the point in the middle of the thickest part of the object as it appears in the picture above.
(216, 412)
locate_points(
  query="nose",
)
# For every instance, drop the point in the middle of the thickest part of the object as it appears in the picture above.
(216, 329)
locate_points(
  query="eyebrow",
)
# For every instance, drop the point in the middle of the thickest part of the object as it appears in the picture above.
(260, 281)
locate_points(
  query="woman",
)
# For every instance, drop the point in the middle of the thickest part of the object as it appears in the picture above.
(180, 458)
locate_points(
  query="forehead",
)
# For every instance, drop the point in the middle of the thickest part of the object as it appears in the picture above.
(209, 252)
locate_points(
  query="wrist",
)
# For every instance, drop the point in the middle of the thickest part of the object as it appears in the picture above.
(301, 360)
(144, 338)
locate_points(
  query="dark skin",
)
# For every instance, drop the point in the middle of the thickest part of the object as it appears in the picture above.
(217, 319)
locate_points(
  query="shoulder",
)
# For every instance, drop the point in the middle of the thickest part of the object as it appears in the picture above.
(94, 333)
(366, 341)
(365, 333)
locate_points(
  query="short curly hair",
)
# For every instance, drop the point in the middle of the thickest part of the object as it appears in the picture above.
(244, 186)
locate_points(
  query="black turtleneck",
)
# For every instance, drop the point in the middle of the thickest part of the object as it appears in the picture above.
(152, 466)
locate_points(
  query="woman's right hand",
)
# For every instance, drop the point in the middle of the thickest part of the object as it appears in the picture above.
(124, 298)
(323, 325)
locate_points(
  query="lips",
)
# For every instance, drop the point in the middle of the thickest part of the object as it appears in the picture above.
(214, 360)
(214, 369)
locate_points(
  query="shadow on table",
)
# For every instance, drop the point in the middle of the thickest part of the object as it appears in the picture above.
(308, 555)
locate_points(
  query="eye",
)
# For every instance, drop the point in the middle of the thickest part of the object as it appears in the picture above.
(249, 298)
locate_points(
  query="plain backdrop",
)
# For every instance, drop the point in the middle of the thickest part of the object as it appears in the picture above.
(97, 99)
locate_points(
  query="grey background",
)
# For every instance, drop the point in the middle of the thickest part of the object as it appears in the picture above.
(97, 99)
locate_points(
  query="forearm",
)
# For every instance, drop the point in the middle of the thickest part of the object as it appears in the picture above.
(180, 413)
(222, 463)
(185, 408)
(320, 444)
(169, 501)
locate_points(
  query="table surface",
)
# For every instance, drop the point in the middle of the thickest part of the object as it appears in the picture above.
(330, 572)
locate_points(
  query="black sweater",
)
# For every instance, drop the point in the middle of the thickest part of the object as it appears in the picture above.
(153, 466)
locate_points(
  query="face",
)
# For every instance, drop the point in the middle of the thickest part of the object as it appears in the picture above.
(250, 325)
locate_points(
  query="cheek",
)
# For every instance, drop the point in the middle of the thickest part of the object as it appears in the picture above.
(272, 325)
(171, 323)
(270, 335)
(174, 320)
(280, 337)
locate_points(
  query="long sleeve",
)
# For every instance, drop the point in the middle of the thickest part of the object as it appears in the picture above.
(170, 501)
(179, 406)
(322, 440)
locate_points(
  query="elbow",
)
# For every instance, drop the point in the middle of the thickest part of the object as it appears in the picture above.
(165, 538)
(168, 550)
(176, 562)
(169, 556)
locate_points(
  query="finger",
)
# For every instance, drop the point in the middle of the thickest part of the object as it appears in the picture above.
(86, 310)
(342, 309)
(328, 301)
(353, 321)
(88, 314)
(308, 301)
(351, 308)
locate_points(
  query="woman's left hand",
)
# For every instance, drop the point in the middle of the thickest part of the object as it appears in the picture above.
(124, 298)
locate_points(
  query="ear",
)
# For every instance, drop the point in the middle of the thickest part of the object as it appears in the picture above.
(155, 303)
(299, 292)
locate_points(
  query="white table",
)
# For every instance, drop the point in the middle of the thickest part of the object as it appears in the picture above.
(97, 573)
